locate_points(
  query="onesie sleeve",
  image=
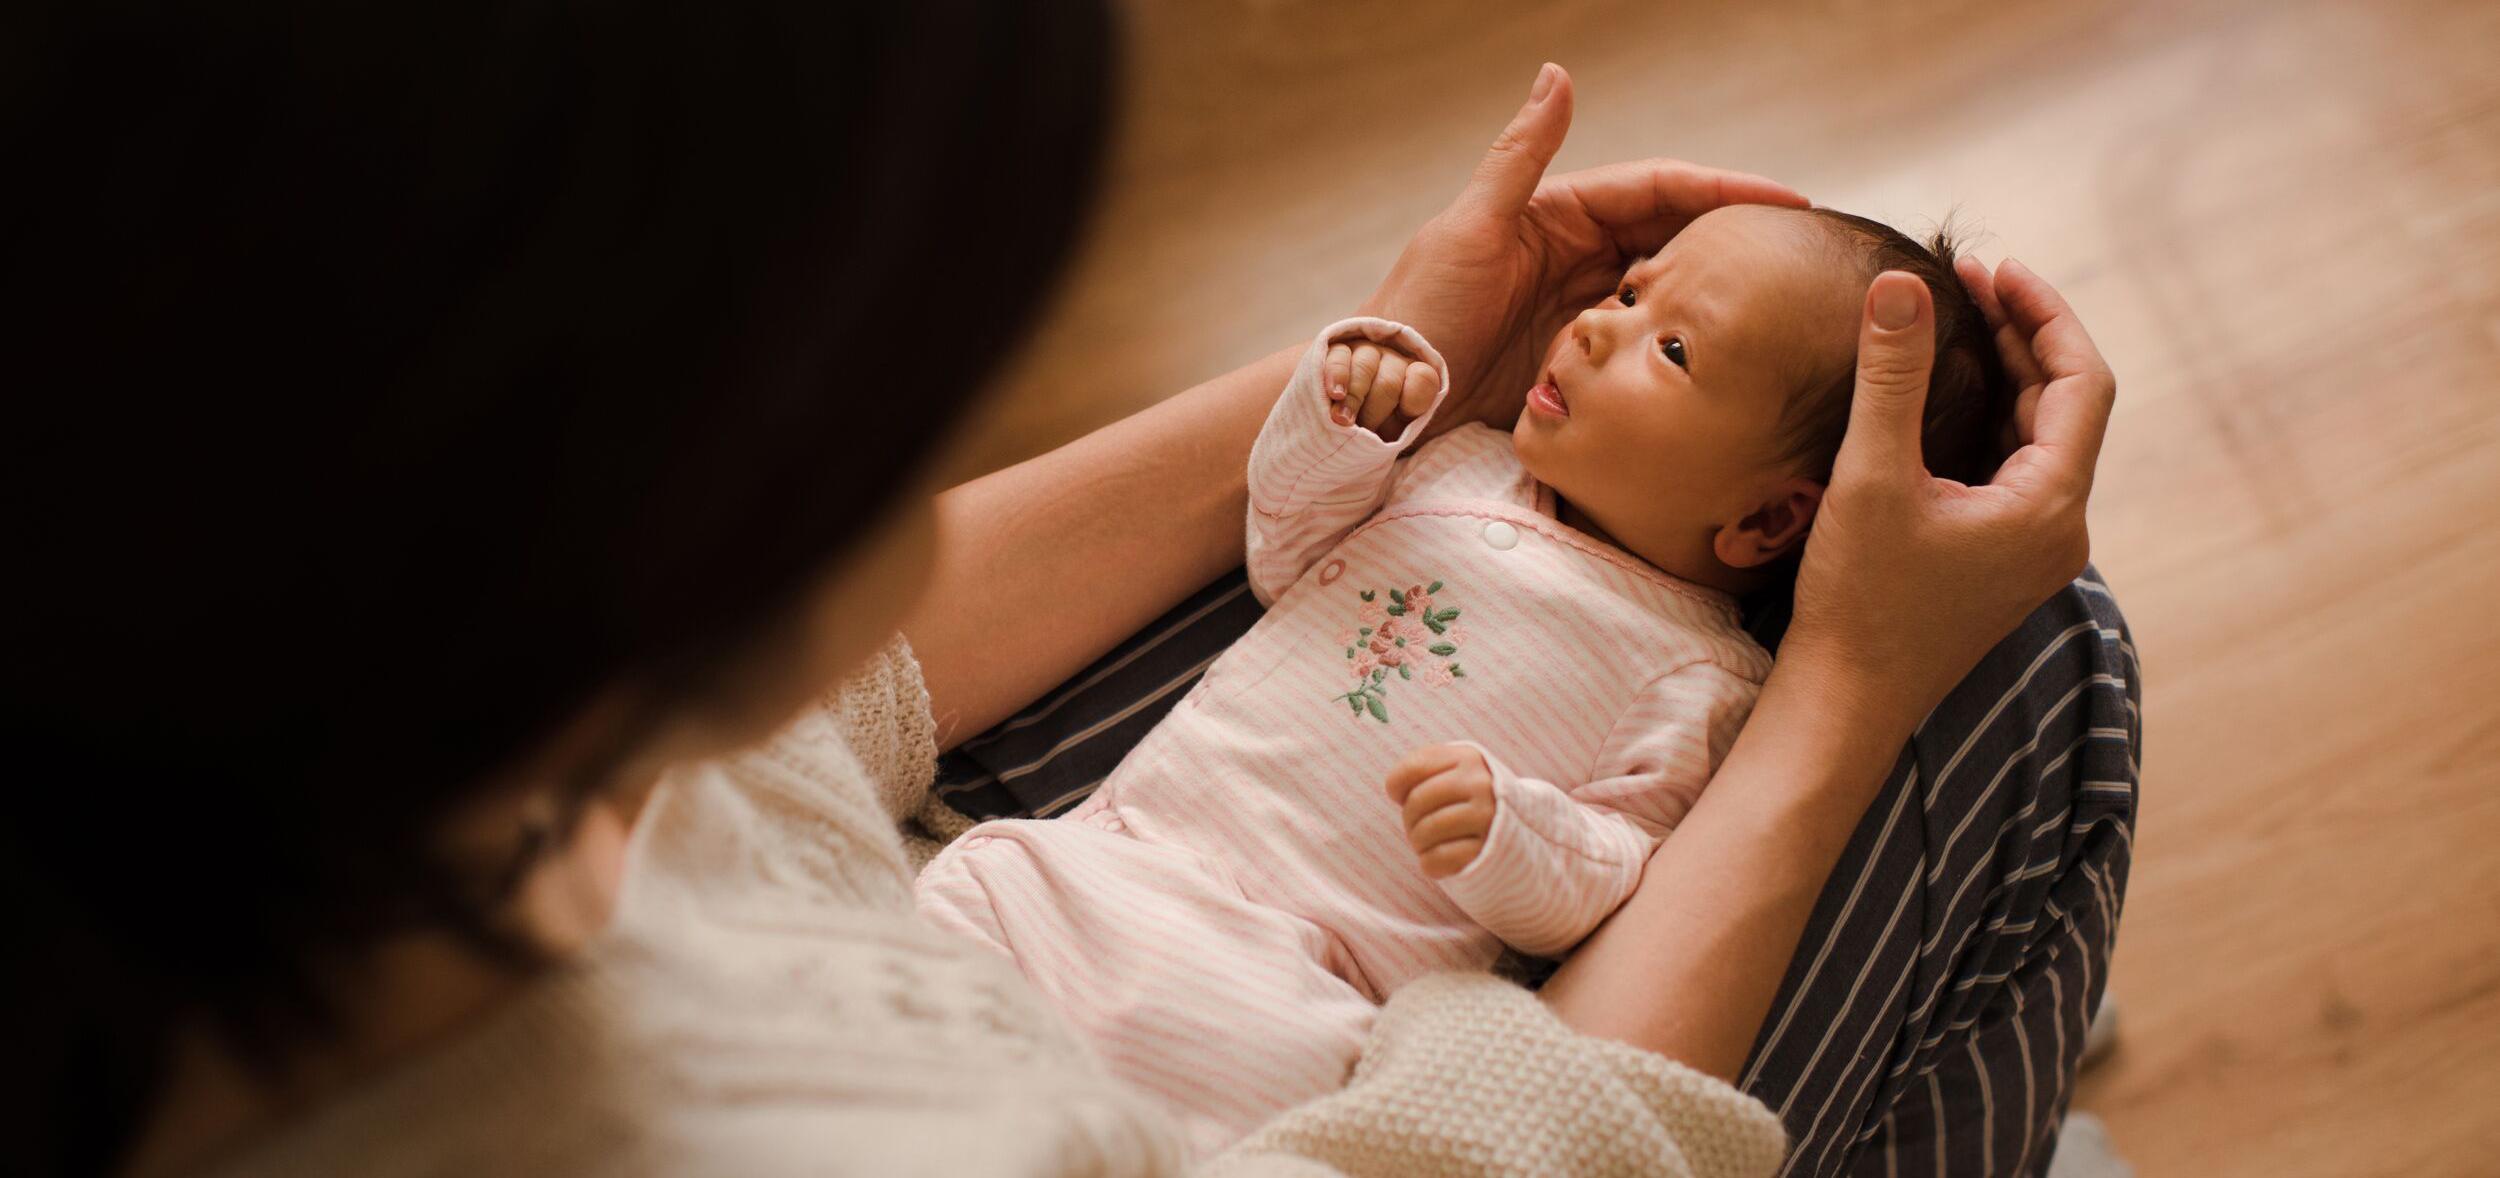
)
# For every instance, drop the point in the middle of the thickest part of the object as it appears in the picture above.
(1312, 481)
(1558, 859)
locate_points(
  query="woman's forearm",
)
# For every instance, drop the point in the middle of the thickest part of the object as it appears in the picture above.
(1689, 965)
(1043, 566)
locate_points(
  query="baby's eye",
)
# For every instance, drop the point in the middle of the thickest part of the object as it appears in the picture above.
(1673, 346)
(1626, 295)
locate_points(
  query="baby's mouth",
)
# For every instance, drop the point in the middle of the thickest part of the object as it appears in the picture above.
(1547, 396)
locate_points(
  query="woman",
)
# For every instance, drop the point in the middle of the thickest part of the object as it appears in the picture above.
(467, 438)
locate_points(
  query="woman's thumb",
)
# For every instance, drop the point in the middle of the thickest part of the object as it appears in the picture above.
(1896, 351)
(1509, 172)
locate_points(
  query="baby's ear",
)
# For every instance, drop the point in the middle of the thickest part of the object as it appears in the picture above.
(1773, 529)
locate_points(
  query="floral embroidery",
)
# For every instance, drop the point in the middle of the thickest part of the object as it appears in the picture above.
(1412, 636)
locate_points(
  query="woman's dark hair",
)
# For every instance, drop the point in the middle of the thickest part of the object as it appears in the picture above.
(391, 380)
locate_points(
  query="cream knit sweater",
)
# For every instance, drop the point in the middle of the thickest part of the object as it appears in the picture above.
(768, 1004)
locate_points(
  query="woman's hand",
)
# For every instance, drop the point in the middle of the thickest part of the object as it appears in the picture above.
(1494, 276)
(1908, 579)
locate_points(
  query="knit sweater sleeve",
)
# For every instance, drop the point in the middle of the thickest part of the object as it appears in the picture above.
(786, 824)
(1466, 1074)
(882, 712)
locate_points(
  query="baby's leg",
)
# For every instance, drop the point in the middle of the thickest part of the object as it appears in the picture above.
(1215, 1005)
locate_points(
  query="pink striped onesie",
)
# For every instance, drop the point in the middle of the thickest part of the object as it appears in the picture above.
(1224, 914)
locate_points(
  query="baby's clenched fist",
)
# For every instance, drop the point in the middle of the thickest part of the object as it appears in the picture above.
(1447, 793)
(1377, 385)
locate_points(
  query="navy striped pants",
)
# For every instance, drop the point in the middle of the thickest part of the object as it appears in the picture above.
(1933, 1016)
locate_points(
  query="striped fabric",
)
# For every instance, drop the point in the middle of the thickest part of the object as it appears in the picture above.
(1226, 1010)
(1933, 1016)
(1245, 845)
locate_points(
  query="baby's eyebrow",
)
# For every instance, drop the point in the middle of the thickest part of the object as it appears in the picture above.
(1644, 271)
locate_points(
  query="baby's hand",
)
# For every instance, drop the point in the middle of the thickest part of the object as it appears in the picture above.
(1377, 385)
(1447, 791)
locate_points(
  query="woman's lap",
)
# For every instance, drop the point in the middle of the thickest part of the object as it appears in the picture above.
(1937, 1002)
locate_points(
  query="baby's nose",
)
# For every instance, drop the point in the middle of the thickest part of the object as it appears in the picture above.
(1591, 343)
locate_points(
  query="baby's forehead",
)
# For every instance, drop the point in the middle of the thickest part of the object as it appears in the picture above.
(1748, 262)
(1756, 233)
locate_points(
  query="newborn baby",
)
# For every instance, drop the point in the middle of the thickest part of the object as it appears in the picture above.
(1527, 641)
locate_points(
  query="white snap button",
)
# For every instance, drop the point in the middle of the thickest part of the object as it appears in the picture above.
(1501, 535)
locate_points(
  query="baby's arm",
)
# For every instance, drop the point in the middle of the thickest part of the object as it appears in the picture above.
(1359, 398)
(1539, 864)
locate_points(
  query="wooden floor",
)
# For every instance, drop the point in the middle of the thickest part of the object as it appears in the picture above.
(2282, 222)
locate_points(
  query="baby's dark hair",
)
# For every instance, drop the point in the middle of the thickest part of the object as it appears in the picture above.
(1968, 392)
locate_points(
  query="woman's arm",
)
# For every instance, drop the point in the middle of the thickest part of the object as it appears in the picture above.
(1688, 966)
(1092, 540)
(1084, 545)
(1907, 581)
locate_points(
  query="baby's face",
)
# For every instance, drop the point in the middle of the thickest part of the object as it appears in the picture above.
(1657, 413)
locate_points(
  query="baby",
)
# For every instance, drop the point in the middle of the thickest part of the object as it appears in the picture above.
(1528, 641)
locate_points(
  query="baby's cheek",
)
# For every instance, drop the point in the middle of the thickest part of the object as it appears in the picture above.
(1582, 464)
(1535, 446)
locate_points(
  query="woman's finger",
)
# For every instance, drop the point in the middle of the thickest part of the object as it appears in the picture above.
(2074, 406)
(2022, 425)
(1896, 352)
(1508, 174)
(2013, 348)
(1388, 386)
(1982, 287)
(2013, 344)
(1640, 204)
(2058, 340)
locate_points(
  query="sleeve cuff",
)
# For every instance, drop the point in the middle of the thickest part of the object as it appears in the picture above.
(1386, 331)
(1538, 844)
(880, 716)
(1502, 861)
(1300, 438)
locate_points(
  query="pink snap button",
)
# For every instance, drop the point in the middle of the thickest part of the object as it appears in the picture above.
(1329, 573)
